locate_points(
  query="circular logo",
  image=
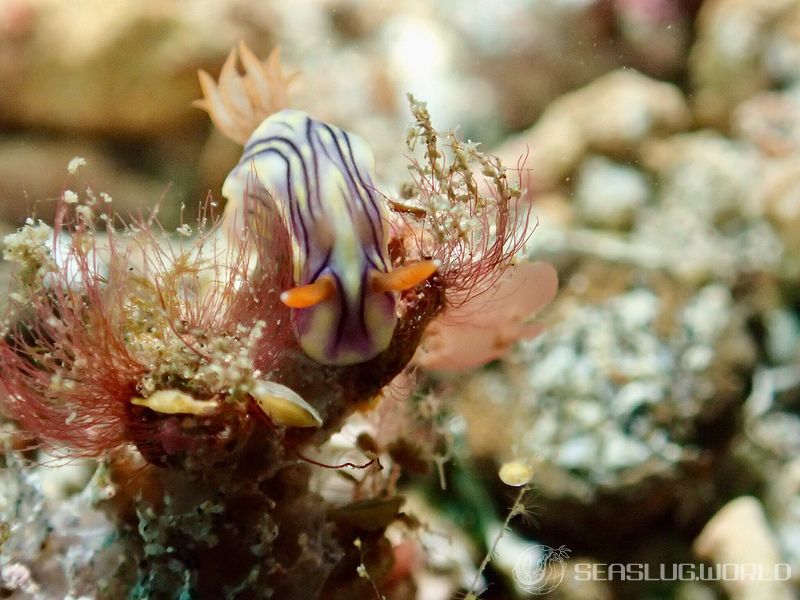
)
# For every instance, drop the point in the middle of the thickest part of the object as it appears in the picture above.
(540, 569)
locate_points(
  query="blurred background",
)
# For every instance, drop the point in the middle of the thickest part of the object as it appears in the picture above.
(663, 138)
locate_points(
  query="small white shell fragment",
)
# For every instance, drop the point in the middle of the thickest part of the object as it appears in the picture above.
(284, 406)
(172, 402)
(516, 473)
(75, 164)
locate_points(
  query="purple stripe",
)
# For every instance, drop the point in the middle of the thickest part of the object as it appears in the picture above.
(366, 188)
(362, 298)
(376, 237)
(342, 312)
(250, 144)
(295, 217)
(310, 140)
(276, 139)
(323, 265)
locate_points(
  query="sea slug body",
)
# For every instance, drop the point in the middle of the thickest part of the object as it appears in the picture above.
(322, 179)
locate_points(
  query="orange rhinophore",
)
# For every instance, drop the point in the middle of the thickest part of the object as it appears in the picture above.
(306, 296)
(405, 277)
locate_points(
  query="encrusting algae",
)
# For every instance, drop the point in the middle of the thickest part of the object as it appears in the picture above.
(204, 371)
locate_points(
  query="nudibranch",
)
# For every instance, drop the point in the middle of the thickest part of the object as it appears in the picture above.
(344, 301)
(321, 178)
